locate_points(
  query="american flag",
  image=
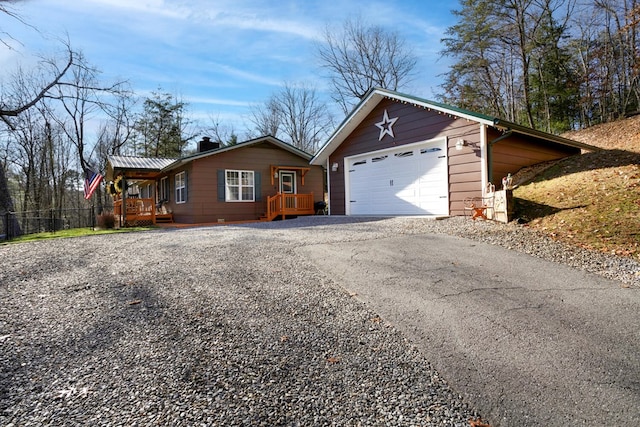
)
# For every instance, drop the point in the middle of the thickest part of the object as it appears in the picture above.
(91, 181)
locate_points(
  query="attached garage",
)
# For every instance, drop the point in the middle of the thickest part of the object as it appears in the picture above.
(397, 154)
(411, 180)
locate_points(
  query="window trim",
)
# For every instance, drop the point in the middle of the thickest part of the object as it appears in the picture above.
(240, 186)
(181, 190)
(165, 191)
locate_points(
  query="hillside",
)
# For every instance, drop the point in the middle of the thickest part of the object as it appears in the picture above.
(591, 200)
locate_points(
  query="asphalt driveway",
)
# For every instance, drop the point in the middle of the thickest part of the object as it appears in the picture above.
(526, 341)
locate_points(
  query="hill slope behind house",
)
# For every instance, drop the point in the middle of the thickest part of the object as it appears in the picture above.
(591, 200)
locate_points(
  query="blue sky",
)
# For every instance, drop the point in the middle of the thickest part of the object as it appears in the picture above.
(219, 56)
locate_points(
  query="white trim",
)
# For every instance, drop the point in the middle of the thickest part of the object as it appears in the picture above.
(183, 187)
(294, 182)
(347, 183)
(240, 186)
(484, 166)
(396, 147)
(328, 187)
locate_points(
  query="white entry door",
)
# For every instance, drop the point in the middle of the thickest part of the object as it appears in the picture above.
(287, 182)
(408, 180)
(288, 186)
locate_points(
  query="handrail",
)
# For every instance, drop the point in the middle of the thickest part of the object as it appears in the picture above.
(289, 204)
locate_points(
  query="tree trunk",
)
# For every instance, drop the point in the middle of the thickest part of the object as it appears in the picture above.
(6, 206)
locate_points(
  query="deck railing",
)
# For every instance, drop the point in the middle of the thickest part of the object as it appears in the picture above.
(139, 212)
(289, 204)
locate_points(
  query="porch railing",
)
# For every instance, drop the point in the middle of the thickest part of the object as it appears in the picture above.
(289, 204)
(137, 212)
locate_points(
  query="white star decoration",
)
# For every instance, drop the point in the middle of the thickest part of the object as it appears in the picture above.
(386, 126)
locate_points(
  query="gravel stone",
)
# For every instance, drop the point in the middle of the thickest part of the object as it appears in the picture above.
(224, 325)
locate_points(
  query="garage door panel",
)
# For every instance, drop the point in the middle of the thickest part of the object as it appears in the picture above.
(405, 181)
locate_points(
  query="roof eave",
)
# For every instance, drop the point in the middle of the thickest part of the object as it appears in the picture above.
(268, 138)
(505, 125)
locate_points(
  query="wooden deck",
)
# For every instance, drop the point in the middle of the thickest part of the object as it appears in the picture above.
(141, 212)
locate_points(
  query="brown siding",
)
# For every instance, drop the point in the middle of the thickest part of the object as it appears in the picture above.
(182, 210)
(414, 124)
(512, 154)
(202, 204)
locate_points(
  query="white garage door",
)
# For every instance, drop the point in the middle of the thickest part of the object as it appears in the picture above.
(409, 180)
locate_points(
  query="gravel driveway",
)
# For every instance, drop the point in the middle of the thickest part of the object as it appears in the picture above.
(221, 326)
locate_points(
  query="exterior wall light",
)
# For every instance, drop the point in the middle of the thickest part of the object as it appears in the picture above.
(334, 167)
(460, 144)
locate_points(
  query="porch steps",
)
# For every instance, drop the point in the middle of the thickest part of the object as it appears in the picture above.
(164, 218)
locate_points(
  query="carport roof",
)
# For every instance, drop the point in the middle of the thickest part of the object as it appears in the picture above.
(376, 95)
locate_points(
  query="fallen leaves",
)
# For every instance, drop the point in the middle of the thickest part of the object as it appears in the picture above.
(478, 423)
(333, 360)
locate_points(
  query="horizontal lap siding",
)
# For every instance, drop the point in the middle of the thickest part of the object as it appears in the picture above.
(512, 154)
(182, 210)
(465, 167)
(414, 124)
(203, 193)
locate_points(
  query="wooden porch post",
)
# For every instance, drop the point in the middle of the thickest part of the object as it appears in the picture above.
(124, 201)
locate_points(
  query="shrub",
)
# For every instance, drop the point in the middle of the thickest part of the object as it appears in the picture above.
(106, 220)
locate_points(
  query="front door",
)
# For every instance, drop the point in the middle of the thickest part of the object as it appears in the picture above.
(288, 186)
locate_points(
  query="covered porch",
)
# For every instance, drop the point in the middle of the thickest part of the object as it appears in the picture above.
(131, 206)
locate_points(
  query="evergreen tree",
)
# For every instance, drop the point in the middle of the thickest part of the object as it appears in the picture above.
(161, 128)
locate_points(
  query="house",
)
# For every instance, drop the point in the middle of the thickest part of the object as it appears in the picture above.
(262, 178)
(397, 154)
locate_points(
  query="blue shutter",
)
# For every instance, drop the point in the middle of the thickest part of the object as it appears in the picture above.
(257, 185)
(221, 185)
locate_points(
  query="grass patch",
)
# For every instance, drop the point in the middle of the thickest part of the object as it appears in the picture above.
(74, 232)
(594, 206)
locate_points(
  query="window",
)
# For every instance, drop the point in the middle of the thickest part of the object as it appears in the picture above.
(239, 186)
(181, 187)
(164, 189)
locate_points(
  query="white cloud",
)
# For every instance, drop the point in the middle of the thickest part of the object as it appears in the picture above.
(216, 101)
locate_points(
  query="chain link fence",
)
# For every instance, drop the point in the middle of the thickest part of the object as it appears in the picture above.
(14, 224)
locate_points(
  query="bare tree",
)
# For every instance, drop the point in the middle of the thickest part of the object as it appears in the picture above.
(266, 117)
(361, 57)
(11, 107)
(296, 115)
(305, 119)
(221, 133)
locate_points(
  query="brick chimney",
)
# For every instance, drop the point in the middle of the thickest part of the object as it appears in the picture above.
(206, 145)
